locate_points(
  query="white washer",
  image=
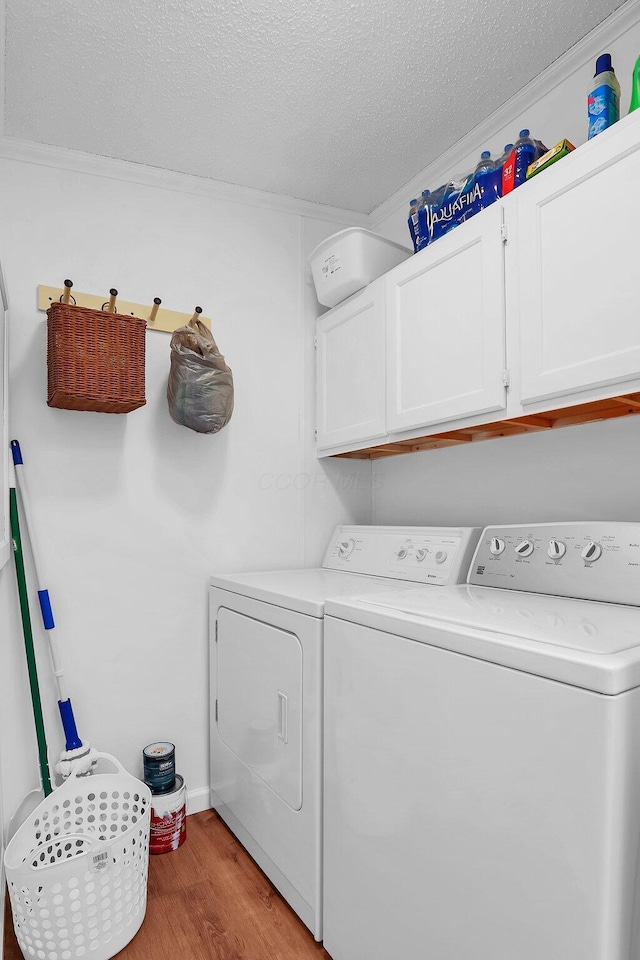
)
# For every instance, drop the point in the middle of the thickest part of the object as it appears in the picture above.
(266, 690)
(482, 757)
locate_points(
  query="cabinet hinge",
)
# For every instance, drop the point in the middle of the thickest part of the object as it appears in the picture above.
(315, 434)
(215, 632)
(216, 711)
(506, 378)
(315, 343)
(504, 232)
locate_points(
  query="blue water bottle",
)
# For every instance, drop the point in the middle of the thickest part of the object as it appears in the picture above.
(422, 231)
(413, 222)
(485, 178)
(506, 153)
(525, 155)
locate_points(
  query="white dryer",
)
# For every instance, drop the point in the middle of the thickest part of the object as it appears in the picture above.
(266, 690)
(482, 756)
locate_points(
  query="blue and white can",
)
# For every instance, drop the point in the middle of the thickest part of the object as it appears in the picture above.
(159, 761)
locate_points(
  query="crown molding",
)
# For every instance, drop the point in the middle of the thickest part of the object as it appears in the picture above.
(46, 155)
(622, 20)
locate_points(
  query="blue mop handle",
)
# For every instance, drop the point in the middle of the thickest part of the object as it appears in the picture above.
(16, 453)
(72, 739)
(43, 595)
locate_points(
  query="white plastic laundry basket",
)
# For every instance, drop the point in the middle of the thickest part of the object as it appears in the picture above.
(77, 868)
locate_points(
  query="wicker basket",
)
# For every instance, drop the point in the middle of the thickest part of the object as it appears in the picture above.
(95, 360)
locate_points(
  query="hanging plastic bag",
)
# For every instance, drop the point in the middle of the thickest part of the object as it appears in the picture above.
(200, 386)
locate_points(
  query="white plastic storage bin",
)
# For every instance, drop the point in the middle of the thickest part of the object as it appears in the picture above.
(347, 261)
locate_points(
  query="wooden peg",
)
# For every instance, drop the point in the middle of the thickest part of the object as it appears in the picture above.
(154, 309)
(196, 315)
(113, 293)
(66, 293)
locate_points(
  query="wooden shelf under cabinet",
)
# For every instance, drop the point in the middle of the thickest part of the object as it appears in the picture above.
(622, 406)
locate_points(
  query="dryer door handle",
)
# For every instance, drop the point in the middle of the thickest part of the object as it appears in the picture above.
(283, 731)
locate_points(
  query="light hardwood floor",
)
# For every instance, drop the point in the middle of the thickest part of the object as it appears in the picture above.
(209, 901)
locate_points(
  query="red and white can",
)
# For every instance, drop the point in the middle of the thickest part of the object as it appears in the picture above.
(168, 819)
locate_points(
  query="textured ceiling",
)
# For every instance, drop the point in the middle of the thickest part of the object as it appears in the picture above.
(327, 100)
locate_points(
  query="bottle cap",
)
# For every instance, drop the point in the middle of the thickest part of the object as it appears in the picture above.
(524, 133)
(508, 147)
(603, 64)
(485, 155)
(413, 202)
(425, 193)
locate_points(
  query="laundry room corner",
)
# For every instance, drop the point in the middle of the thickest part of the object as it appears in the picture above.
(319, 473)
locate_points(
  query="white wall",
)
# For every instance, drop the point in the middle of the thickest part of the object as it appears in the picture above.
(553, 106)
(134, 512)
(590, 472)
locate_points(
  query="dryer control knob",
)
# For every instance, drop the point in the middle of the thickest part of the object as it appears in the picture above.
(556, 549)
(421, 554)
(496, 547)
(441, 556)
(345, 548)
(525, 548)
(592, 552)
(401, 553)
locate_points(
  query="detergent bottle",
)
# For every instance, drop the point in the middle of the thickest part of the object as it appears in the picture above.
(604, 97)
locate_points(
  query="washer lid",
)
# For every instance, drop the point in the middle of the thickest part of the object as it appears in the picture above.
(304, 591)
(584, 643)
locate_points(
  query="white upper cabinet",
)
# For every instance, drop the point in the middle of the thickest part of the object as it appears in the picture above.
(446, 328)
(350, 403)
(578, 264)
(560, 299)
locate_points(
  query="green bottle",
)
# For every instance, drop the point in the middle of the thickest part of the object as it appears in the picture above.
(635, 87)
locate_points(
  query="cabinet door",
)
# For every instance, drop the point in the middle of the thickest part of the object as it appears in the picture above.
(351, 370)
(446, 328)
(578, 266)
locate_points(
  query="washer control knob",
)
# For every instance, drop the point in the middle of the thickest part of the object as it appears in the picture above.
(556, 549)
(592, 552)
(496, 547)
(441, 556)
(345, 548)
(421, 554)
(401, 553)
(525, 548)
